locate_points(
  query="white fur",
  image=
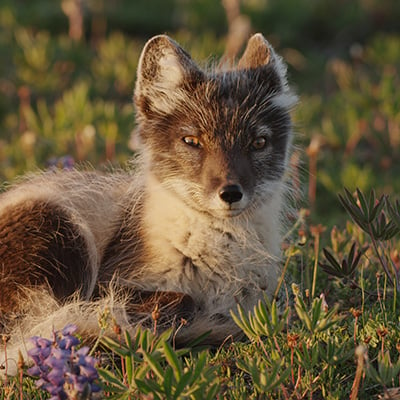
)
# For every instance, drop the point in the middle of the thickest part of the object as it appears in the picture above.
(170, 71)
(286, 100)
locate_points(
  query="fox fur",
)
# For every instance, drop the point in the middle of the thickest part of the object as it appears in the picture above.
(192, 229)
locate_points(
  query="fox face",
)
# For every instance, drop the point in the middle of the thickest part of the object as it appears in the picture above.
(219, 140)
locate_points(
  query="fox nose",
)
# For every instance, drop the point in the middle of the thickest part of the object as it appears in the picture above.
(231, 193)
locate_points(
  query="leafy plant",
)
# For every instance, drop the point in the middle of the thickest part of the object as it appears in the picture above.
(316, 319)
(265, 320)
(387, 372)
(371, 217)
(347, 266)
(151, 366)
(265, 378)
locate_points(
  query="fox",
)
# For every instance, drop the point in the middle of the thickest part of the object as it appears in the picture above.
(189, 231)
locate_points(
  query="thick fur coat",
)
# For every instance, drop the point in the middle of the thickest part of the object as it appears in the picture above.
(193, 230)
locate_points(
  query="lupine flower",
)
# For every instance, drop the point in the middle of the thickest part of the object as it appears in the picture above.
(65, 163)
(64, 371)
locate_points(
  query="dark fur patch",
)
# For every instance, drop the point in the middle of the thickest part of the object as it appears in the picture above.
(122, 253)
(39, 247)
(162, 307)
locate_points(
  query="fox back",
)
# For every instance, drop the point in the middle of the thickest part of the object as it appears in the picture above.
(195, 227)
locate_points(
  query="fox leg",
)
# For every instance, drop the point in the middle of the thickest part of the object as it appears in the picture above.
(40, 248)
(143, 306)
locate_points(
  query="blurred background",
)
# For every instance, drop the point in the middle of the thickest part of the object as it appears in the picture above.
(67, 72)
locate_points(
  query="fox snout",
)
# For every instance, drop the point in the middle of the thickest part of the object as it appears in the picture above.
(227, 180)
(229, 198)
(231, 193)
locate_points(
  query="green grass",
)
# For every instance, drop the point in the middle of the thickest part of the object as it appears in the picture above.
(60, 97)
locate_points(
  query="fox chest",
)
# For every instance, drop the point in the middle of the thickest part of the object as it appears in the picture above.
(214, 267)
(219, 263)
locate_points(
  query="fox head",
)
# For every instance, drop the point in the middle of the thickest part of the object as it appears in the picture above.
(218, 139)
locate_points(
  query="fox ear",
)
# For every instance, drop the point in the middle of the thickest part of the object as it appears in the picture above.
(164, 69)
(257, 54)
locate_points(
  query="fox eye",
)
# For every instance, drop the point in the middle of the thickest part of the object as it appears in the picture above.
(192, 141)
(259, 143)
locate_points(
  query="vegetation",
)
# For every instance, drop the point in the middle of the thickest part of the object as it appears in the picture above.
(66, 80)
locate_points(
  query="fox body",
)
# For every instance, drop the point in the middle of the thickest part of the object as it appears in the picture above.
(192, 230)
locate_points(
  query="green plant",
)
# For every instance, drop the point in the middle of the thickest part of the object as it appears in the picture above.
(371, 217)
(265, 320)
(265, 378)
(317, 318)
(149, 365)
(348, 265)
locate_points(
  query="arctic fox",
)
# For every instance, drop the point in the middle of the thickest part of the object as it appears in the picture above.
(191, 231)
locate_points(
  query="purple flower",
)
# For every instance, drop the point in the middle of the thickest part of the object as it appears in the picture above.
(56, 377)
(43, 343)
(60, 354)
(89, 372)
(65, 162)
(34, 371)
(83, 351)
(41, 350)
(69, 329)
(79, 382)
(62, 369)
(68, 341)
(55, 363)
